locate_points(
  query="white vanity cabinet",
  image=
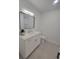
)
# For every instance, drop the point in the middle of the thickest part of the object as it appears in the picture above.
(28, 43)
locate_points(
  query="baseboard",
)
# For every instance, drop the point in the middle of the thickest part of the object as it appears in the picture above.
(53, 42)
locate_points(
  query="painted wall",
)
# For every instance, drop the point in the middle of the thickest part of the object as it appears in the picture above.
(50, 25)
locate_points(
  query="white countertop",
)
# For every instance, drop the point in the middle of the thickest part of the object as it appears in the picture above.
(29, 35)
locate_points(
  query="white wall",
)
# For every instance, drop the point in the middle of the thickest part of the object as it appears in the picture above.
(50, 27)
(24, 4)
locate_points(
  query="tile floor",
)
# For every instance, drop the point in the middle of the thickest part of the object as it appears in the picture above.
(46, 50)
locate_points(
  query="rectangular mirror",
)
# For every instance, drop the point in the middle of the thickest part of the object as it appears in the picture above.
(27, 21)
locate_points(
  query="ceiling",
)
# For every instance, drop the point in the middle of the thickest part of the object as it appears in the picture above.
(44, 5)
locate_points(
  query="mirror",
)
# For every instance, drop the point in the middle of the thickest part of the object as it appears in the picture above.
(26, 20)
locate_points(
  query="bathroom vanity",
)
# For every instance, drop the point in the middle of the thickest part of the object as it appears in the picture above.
(28, 43)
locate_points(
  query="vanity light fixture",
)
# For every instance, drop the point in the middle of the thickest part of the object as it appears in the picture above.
(27, 12)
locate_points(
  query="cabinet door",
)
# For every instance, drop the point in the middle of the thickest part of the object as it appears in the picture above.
(31, 44)
(22, 47)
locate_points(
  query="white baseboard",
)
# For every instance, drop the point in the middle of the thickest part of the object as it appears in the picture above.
(53, 42)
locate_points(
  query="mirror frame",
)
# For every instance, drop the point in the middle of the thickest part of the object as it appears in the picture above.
(20, 21)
